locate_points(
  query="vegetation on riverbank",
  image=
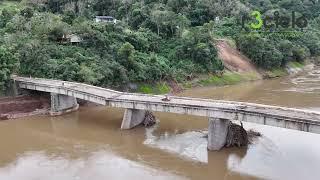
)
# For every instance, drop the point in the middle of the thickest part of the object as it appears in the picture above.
(159, 88)
(152, 42)
(229, 78)
(296, 65)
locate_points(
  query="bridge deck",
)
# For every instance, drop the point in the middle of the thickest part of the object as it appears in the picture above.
(264, 114)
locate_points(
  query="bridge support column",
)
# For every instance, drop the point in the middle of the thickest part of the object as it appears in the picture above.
(217, 133)
(61, 104)
(132, 118)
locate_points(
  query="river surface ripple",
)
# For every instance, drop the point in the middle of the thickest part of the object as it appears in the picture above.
(88, 144)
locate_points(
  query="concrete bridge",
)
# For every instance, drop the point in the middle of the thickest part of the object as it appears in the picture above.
(64, 98)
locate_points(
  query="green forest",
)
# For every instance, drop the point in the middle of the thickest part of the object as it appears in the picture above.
(150, 41)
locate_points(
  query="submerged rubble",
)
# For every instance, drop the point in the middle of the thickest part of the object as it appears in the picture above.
(238, 136)
(149, 119)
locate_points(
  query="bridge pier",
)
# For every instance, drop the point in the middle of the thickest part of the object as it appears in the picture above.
(61, 104)
(132, 118)
(217, 133)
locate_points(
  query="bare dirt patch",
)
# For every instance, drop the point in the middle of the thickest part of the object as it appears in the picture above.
(22, 106)
(233, 60)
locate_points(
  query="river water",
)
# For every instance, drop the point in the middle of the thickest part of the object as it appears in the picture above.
(88, 144)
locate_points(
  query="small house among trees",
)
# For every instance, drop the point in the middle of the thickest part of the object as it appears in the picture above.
(73, 38)
(108, 19)
(70, 38)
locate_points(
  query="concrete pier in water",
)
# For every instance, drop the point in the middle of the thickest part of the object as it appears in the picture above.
(132, 118)
(217, 133)
(61, 104)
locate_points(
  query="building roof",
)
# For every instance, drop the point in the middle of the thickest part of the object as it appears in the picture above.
(73, 38)
(104, 17)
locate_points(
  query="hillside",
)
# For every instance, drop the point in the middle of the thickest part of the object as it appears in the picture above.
(150, 41)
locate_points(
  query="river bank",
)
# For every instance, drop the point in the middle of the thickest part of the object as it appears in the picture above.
(88, 142)
(217, 80)
(23, 106)
(30, 105)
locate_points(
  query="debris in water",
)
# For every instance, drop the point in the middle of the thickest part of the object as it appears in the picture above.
(149, 119)
(236, 136)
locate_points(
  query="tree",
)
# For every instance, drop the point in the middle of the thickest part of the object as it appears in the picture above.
(126, 6)
(139, 15)
(312, 41)
(88, 74)
(126, 50)
(69, 16)
(286, 48)
(6, 16)
(8, 63)
(300, 53)
(55, 5)
(158, 17)
(27, 12)
(56, 33)
(262, 51)
(105, 7)
(183, 22)
(126, 55)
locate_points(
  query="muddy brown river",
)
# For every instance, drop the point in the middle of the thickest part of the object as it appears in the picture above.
(88, 144)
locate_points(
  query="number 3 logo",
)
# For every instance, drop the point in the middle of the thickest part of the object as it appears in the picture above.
(259, 24)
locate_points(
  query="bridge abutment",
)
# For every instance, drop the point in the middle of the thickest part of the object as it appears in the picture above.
(61, 104)
(217, 133)
(12, 89)
(132, 118)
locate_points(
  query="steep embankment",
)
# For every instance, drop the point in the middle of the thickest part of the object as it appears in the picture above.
(234, 60)
(238, 68)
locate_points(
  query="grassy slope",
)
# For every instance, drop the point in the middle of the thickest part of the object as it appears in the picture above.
(228, 78)
(159, 88)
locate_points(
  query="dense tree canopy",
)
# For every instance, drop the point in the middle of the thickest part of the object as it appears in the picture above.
(152, 40)
(8, 62)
